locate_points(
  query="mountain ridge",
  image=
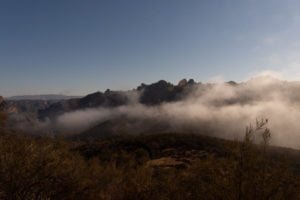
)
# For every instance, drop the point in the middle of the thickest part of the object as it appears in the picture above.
(148, 94)
(41, 97)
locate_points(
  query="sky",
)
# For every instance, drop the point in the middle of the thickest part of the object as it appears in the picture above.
(76, 47)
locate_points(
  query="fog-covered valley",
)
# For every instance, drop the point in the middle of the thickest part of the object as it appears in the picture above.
(216, 109)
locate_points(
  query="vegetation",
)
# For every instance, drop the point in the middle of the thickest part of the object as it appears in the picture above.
(161, 166)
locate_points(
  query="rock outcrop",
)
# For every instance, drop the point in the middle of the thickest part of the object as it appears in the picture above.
(163, 91)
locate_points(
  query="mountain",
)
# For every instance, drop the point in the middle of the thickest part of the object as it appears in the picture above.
(163, 91)
(152, 94)
(46, 97)
(215, 109)
(23, 113)
(97, 99)
(42, 107)
(26, 106)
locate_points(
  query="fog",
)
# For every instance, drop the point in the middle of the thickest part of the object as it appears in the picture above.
(220, 109)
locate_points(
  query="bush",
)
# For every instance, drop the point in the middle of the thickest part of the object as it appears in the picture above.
(45, 168)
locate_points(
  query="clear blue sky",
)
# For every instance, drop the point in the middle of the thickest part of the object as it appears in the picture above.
(82, 46)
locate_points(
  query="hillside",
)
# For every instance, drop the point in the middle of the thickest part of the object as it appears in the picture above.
(184, 149)
(143, 154)
(152, 167)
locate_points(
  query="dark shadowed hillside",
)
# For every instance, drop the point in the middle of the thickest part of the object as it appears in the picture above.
(124, 126)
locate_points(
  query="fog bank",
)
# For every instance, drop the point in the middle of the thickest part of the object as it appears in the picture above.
(223, 109)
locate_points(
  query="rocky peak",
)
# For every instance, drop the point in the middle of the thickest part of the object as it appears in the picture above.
(182, 83)
(191, 81)
(141, 87)
(232, 83)
(156, 93)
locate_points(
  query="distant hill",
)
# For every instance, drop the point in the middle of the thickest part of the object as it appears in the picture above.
(25, 108)
(41, 97)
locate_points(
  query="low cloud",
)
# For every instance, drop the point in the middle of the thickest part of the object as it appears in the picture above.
(220, 109)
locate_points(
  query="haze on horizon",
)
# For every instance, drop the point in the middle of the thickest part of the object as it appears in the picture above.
(76, 47)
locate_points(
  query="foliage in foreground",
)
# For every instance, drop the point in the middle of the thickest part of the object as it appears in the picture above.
(41, 168)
